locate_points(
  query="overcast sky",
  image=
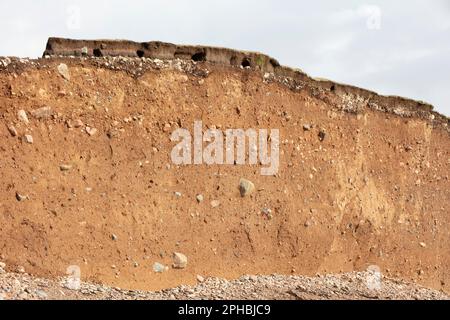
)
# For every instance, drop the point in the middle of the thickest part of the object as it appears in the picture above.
(397, 47)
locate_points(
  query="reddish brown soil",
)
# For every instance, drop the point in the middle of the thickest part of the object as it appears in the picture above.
(374, 192)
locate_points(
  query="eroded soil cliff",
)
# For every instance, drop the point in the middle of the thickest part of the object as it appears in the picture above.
(95, 187)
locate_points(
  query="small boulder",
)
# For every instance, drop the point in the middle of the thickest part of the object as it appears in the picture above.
(64, 71)
(28, 138)
(179, 260)
(322, 135)
(159, 268)
(246, 187)
(22, 115)
(267, 212)
(77, 123)
(12, 130)
(91, 131)
(215, 203)
(42, 113)
(74, 124)
(65, 167)
(21, 197)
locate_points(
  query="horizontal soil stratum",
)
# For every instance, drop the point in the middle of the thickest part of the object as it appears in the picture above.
(87, 179)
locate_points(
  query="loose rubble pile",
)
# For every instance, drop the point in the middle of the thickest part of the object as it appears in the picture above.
(354, 286)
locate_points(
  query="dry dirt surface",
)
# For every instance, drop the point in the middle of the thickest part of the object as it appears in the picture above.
(87, 182)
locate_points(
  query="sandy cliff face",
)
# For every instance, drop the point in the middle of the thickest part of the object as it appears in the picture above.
(362, 181)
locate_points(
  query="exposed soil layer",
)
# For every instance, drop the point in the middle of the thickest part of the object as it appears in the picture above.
(256, 61)
(359, 183)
